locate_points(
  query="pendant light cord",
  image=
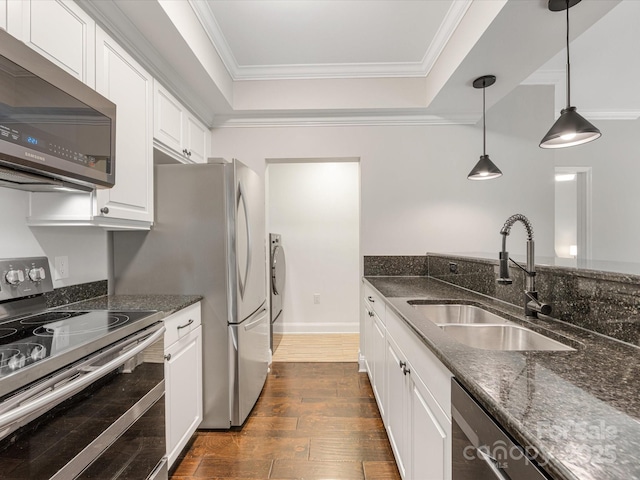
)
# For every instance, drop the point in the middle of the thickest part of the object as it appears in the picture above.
(484, 120)
(568, 63)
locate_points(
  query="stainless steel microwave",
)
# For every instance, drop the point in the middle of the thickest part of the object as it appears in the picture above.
(56, 133)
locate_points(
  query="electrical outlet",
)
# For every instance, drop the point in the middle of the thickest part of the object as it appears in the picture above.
(316, 298)
(61, 267)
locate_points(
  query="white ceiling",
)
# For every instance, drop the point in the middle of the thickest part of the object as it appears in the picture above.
(384, 62)
(604, 74)
(269, 39)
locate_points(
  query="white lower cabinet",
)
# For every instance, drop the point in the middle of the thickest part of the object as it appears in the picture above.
(378, 356)
(397, 404)
(430, 435)
(416, 393)
(183, 378)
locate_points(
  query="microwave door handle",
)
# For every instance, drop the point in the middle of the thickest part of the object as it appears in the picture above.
(492, 463)
(75, 386)
(242, 201)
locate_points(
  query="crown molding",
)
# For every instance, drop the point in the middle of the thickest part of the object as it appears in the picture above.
(315, 71)
(337, 120)
(452, 19)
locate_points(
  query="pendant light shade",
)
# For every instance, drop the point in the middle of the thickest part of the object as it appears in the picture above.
(485, 169)
(571, 128)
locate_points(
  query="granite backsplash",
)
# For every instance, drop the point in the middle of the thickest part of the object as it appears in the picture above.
(607, 303)
(75, 293)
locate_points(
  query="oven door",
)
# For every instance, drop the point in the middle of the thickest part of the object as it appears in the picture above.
(103, 417)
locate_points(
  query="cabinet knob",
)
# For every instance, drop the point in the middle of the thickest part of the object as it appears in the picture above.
(370, 314)
(104, 210)
(371, 299)
(402, 364)
(167, 357)
(188, 153)
(406, 370)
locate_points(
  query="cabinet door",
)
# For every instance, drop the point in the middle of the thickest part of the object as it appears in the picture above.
(397, 404)
(183, 383)
(123, 81)
(196, 140)
(367, 338)
(430, 435)
(379, 352)
(169, 119)
(62, 32)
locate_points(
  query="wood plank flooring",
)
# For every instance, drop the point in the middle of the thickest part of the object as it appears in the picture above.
(312, 347)
(313, 421)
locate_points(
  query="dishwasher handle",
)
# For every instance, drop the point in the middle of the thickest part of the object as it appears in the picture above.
(492, 463)
(78, 384)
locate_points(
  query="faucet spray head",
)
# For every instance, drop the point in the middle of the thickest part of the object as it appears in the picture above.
(504, 278)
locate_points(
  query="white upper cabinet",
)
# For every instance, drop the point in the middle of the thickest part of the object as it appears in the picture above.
(57, 29)
(176, 131)
(129, 204)
(123, 81)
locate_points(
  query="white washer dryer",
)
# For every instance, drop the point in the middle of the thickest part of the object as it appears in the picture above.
(277, 282)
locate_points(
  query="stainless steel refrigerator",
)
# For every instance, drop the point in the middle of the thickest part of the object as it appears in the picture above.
(208, 239)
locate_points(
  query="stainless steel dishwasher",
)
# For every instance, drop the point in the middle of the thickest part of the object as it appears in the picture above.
(481, 450)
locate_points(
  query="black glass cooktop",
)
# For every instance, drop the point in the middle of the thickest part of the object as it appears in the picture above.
(32, 339)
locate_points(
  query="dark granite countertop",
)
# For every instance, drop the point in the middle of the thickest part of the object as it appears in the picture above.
(167, 304)
(579, 410)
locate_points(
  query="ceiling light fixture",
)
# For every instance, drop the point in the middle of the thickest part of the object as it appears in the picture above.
(485, 169)
(571, 128)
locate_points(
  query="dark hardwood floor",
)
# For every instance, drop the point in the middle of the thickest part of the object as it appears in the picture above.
(312, 421)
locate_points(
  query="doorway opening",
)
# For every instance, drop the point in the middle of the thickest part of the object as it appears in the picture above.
(573, 214)
(314, 205)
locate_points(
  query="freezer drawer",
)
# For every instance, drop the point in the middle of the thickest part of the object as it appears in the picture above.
(249, 359)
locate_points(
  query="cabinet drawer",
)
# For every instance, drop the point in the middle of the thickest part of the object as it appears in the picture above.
(375, 301)
(181, 324)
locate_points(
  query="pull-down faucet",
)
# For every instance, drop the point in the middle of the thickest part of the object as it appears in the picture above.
(531, 303)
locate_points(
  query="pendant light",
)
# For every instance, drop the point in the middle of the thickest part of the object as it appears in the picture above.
(571, 128)
(485, 169)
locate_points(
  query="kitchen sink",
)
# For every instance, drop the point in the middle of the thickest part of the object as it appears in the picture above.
(502, 337)
(455, 313)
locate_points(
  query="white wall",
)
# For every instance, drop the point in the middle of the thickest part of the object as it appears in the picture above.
(86, 247)
(415, 196)
(615, 173)
(315, 207)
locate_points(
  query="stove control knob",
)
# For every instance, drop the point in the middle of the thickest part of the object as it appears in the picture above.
(17, 361)
(14, 277)
(37, 274)
(38, 353)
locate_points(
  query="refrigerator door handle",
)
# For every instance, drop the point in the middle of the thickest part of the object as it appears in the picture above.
(242, 201)
(256, 322)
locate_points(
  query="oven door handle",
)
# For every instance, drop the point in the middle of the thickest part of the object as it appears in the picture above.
(80, 383)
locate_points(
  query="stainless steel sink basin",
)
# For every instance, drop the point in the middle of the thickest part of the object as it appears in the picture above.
(456, 313)
(502, 337)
